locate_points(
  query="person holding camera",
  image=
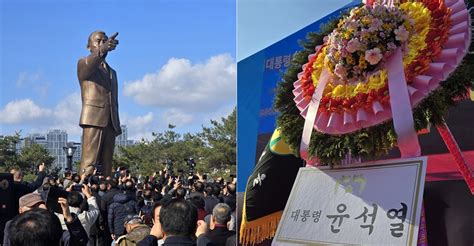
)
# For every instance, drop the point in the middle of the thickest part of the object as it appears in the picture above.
(75, 200)
(35, 225)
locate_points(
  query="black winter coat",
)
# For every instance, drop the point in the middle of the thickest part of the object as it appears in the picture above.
(122, 205)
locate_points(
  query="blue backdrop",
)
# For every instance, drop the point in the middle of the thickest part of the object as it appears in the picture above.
(257, 77)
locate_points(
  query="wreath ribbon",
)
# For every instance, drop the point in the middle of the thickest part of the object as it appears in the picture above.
(312, 111)
(401, 107)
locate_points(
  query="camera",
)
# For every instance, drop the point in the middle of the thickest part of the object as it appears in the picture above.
(77, 188)
(191, 164)
(169, 166)
(190, 161)
(99, 170)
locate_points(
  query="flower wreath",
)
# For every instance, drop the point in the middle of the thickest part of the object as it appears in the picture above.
(354, 113)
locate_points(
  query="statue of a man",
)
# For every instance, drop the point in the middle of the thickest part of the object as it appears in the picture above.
(99, 116)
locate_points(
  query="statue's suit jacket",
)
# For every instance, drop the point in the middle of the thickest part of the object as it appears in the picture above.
(99, 94)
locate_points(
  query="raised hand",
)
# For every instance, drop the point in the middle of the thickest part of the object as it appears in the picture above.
(156, 230)
(201, 227)
(65, 207)
(110, 44)
(41, 167)
(177, 185)
(86, 191)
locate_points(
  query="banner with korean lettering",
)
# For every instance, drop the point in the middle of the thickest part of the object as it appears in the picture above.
(275, 63)
(377, 203)
(257, 78)
(276, 59)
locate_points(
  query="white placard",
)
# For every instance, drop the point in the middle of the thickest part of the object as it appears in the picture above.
(376, 203)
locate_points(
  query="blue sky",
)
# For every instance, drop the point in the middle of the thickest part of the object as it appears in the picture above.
(175, 62)
(261, 23)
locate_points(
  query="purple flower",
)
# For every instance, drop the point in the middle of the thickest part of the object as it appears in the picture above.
(378, 9)
(391, 46)
(376, 24)
(344, 53)
(401, 34)
(356, 69)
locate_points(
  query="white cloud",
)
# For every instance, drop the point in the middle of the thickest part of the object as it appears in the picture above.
(34, 81)
(222, 113)
(180, 93)
(25, 78)
(177, 117)
(66, 115)
(181, 85)
(138, 127)
(24, 110)
(141, 120)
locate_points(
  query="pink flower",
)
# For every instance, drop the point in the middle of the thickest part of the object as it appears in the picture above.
(326, 39)
(353, 45)
(373, 56)
(343, 53)
(401, 34)
(340, 71)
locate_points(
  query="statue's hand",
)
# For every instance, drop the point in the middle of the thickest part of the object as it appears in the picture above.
(110, 44)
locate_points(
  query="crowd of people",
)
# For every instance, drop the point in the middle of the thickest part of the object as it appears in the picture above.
(160, 209)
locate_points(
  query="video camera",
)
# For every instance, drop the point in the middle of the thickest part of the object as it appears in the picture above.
(121, 172)
(169, 166)
(191, 164)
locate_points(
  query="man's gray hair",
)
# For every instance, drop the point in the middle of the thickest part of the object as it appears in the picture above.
(221, 213)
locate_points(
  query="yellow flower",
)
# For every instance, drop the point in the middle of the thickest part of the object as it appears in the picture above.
(366, 20)
(350, 90)
(356, 11)
(386, 26)
(350, 60)
(350, 30)
(340, 24)
(318, 66)
(338, 91)
(346, 35)
(383, 75)
(422, 19)
(362, 63)
(319, 62)
(374, 38)
(328, 89)
(420, 14)
(365, 36)
(377, 80)
(407, 26)
(360, 88)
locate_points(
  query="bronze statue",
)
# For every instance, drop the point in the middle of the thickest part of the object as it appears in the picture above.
(99, 116)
